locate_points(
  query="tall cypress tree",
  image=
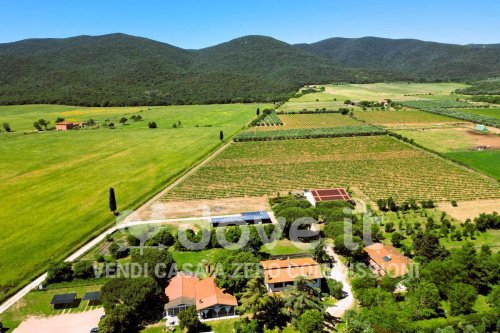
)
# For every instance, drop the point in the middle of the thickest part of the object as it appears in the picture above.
(221, 136)
(258, 111)
(112, 200)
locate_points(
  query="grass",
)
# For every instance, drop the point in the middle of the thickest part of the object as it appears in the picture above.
(489, 112)
(189, 261)
(316, 120)
(285, 247)
(377, 166)
(37, 303)
(484, 161)
(56, 183)
(401, 117)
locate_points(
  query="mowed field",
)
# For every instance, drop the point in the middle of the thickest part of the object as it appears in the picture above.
(378, 167)
(55, 185)
(403, 117)
(335, 95)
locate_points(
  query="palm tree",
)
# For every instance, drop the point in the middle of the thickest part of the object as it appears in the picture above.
(302, 297)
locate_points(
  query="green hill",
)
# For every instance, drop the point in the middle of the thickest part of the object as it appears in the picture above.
(422, 60)
(119, 69)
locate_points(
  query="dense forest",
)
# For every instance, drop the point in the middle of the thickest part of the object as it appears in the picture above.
(119, 69)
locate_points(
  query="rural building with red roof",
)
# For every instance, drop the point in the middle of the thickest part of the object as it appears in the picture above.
(333, 194)
(278, 274)
(210, 301)
(386, 259)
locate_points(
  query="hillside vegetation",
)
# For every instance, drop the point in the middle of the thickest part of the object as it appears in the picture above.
(119, 70)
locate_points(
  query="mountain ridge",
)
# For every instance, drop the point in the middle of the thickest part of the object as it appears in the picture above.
(120, 69)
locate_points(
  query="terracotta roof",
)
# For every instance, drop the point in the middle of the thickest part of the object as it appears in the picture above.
(65, 123)
(388, 258)
(185, 289)
(277, 271)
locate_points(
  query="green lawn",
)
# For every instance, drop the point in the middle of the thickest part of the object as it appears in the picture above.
(485, 161)
(55, 185)
(37, 303)
(188, 261)
(284, 247)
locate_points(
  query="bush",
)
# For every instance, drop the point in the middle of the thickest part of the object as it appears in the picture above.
(311, 321)
(83, 270)
(152, 124)
(335, 288)
(59, 271)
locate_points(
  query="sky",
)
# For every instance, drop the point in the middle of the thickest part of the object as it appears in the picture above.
(201, 23)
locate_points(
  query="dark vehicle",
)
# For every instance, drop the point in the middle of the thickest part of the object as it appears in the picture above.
(94, 330)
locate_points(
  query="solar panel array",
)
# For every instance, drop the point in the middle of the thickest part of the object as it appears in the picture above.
(244, 218)
(330, 194)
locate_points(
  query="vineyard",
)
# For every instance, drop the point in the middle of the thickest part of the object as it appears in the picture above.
(377, 166)
(463, 115)
(319, 120)
(271, 119)
(309, 133)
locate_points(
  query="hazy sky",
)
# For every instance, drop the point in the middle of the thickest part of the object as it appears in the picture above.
(202, 23)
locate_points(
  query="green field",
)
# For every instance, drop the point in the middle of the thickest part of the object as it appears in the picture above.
(314, 120)
(401, 117)
(485, 161)
(377, 166)
(55, 184)
(489, 112)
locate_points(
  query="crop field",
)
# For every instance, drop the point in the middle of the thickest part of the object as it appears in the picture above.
(377, 166)
(488, 112)
(310, 133)
(459, 144)
(55, 185)
(401, 117)
(318, 120)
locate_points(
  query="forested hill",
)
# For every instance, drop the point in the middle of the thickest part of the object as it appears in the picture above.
(423, 60)
(119, 69)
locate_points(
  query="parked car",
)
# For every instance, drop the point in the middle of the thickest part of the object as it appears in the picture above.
(94, 330)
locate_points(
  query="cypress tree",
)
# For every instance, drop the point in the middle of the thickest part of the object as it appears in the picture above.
(112, 200)
(221, 136)
(258, 111)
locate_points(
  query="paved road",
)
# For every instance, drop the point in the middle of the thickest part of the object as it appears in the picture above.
(340, 273)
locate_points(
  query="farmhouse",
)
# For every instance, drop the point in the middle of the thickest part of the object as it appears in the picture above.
(334, 194)
(278, 274)
(210, 301)
(386, 259)
(67, 125)
(246, 218)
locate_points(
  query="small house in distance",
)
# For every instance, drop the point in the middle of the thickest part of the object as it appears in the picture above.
(334, 194)
(386, 259)
(278, 274)
(210, 301)
(67, 125)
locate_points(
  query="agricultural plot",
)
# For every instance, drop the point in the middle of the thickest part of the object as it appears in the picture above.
(461, 144)
(55, 185)
(314, 120)
(401, 117)
(378, 166)
(455, 113)
(309, 133)
(487, 112)
(334, 96)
